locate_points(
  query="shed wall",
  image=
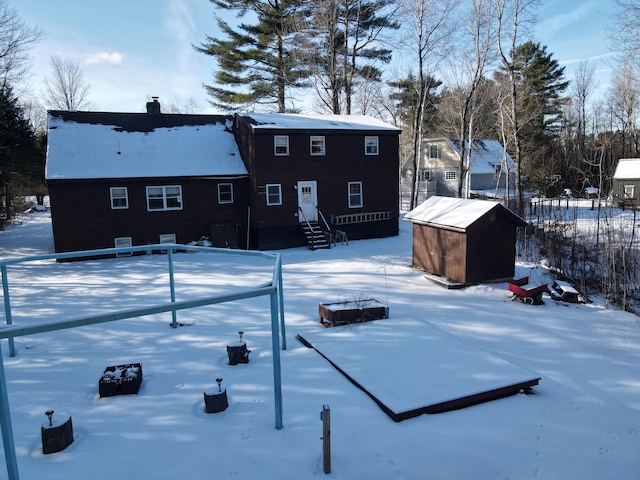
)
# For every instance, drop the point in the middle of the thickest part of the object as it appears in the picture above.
(440, 252)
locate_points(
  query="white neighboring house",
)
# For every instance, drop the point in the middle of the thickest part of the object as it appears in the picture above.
(439, 170)
(625, 185)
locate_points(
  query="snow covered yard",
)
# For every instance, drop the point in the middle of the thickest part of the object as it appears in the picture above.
(582, 422)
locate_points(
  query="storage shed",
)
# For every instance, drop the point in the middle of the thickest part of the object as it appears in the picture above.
(465, 241)
(626, 182)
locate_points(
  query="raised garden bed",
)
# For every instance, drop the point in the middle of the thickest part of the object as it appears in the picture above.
(120, 380)
(355, 311)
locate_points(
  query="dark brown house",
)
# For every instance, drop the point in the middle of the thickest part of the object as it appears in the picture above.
(118, 179)
(121, 179)
(466, 241)
(338, 169)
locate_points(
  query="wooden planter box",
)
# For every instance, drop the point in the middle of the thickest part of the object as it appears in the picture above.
(356, 311)
(120, 380)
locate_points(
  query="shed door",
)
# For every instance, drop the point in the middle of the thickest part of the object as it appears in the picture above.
(308, 201)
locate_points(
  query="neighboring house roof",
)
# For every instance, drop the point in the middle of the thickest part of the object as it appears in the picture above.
(317, 122)
(84, 145)
(485, 154)
(454, 213)
(628, 169)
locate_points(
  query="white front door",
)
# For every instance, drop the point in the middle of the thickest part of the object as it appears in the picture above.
(308, 201)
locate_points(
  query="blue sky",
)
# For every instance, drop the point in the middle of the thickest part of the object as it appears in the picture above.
(132, 50)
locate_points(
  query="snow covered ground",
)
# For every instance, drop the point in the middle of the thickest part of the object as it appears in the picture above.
(582, 422)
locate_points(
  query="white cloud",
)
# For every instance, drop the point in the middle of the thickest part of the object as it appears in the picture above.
(104, 57)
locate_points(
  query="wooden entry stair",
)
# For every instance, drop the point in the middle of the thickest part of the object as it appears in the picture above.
(316, 236)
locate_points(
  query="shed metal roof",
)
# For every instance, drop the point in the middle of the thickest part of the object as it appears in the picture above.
(454, 213)
(627, 169)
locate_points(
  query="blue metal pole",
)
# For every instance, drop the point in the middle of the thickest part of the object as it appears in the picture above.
(275, 346)
(7, 307)
(7, 430)
(278, 269)
(172, 286)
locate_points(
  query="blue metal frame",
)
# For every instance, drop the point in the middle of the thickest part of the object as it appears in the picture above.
(272, 288)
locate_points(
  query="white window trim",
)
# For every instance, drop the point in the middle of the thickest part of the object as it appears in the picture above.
(164, 198)
(629, 191)
(220, 201)
(366, 145)
(279, 187)
(276, 145)
(320, 142)
(424, 175)
(123, 242)
(450, 175)
(350, 195)
(437, 148)
(126, 198)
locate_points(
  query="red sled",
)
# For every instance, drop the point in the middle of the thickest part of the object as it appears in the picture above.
(530, 296)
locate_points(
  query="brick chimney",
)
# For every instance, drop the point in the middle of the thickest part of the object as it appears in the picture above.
(154, 106)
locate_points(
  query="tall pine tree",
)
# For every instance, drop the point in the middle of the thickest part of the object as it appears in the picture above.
(257, 64)
(21, 158)
(344, 45)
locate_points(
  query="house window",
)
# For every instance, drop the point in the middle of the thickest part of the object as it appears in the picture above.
(424, 175)
(450, 175)
(123, 242)
(167, 238)
(371, 145)
(433, 150)
(119, 198)
(164, 198)
(629, 192)
(497, 170)
(225, 193)
(355, 194)
(274, 194)
(317, 145)
(281, 144)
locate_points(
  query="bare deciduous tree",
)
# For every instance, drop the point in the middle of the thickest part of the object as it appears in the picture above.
(67, 89)
(429, 30)
(516, 13)
(15, 39)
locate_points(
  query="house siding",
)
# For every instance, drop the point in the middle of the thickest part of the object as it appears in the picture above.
(278, 226)
(82, 216)
(618, 190)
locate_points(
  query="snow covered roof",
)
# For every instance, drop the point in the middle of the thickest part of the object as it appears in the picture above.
(628, 168)
(456, 213)
(317, 122)
(84, 145)
(485, 155)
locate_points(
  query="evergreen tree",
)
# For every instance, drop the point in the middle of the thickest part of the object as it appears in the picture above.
(540, 84)
(256, 63)
(343, 45)
(21, 157)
